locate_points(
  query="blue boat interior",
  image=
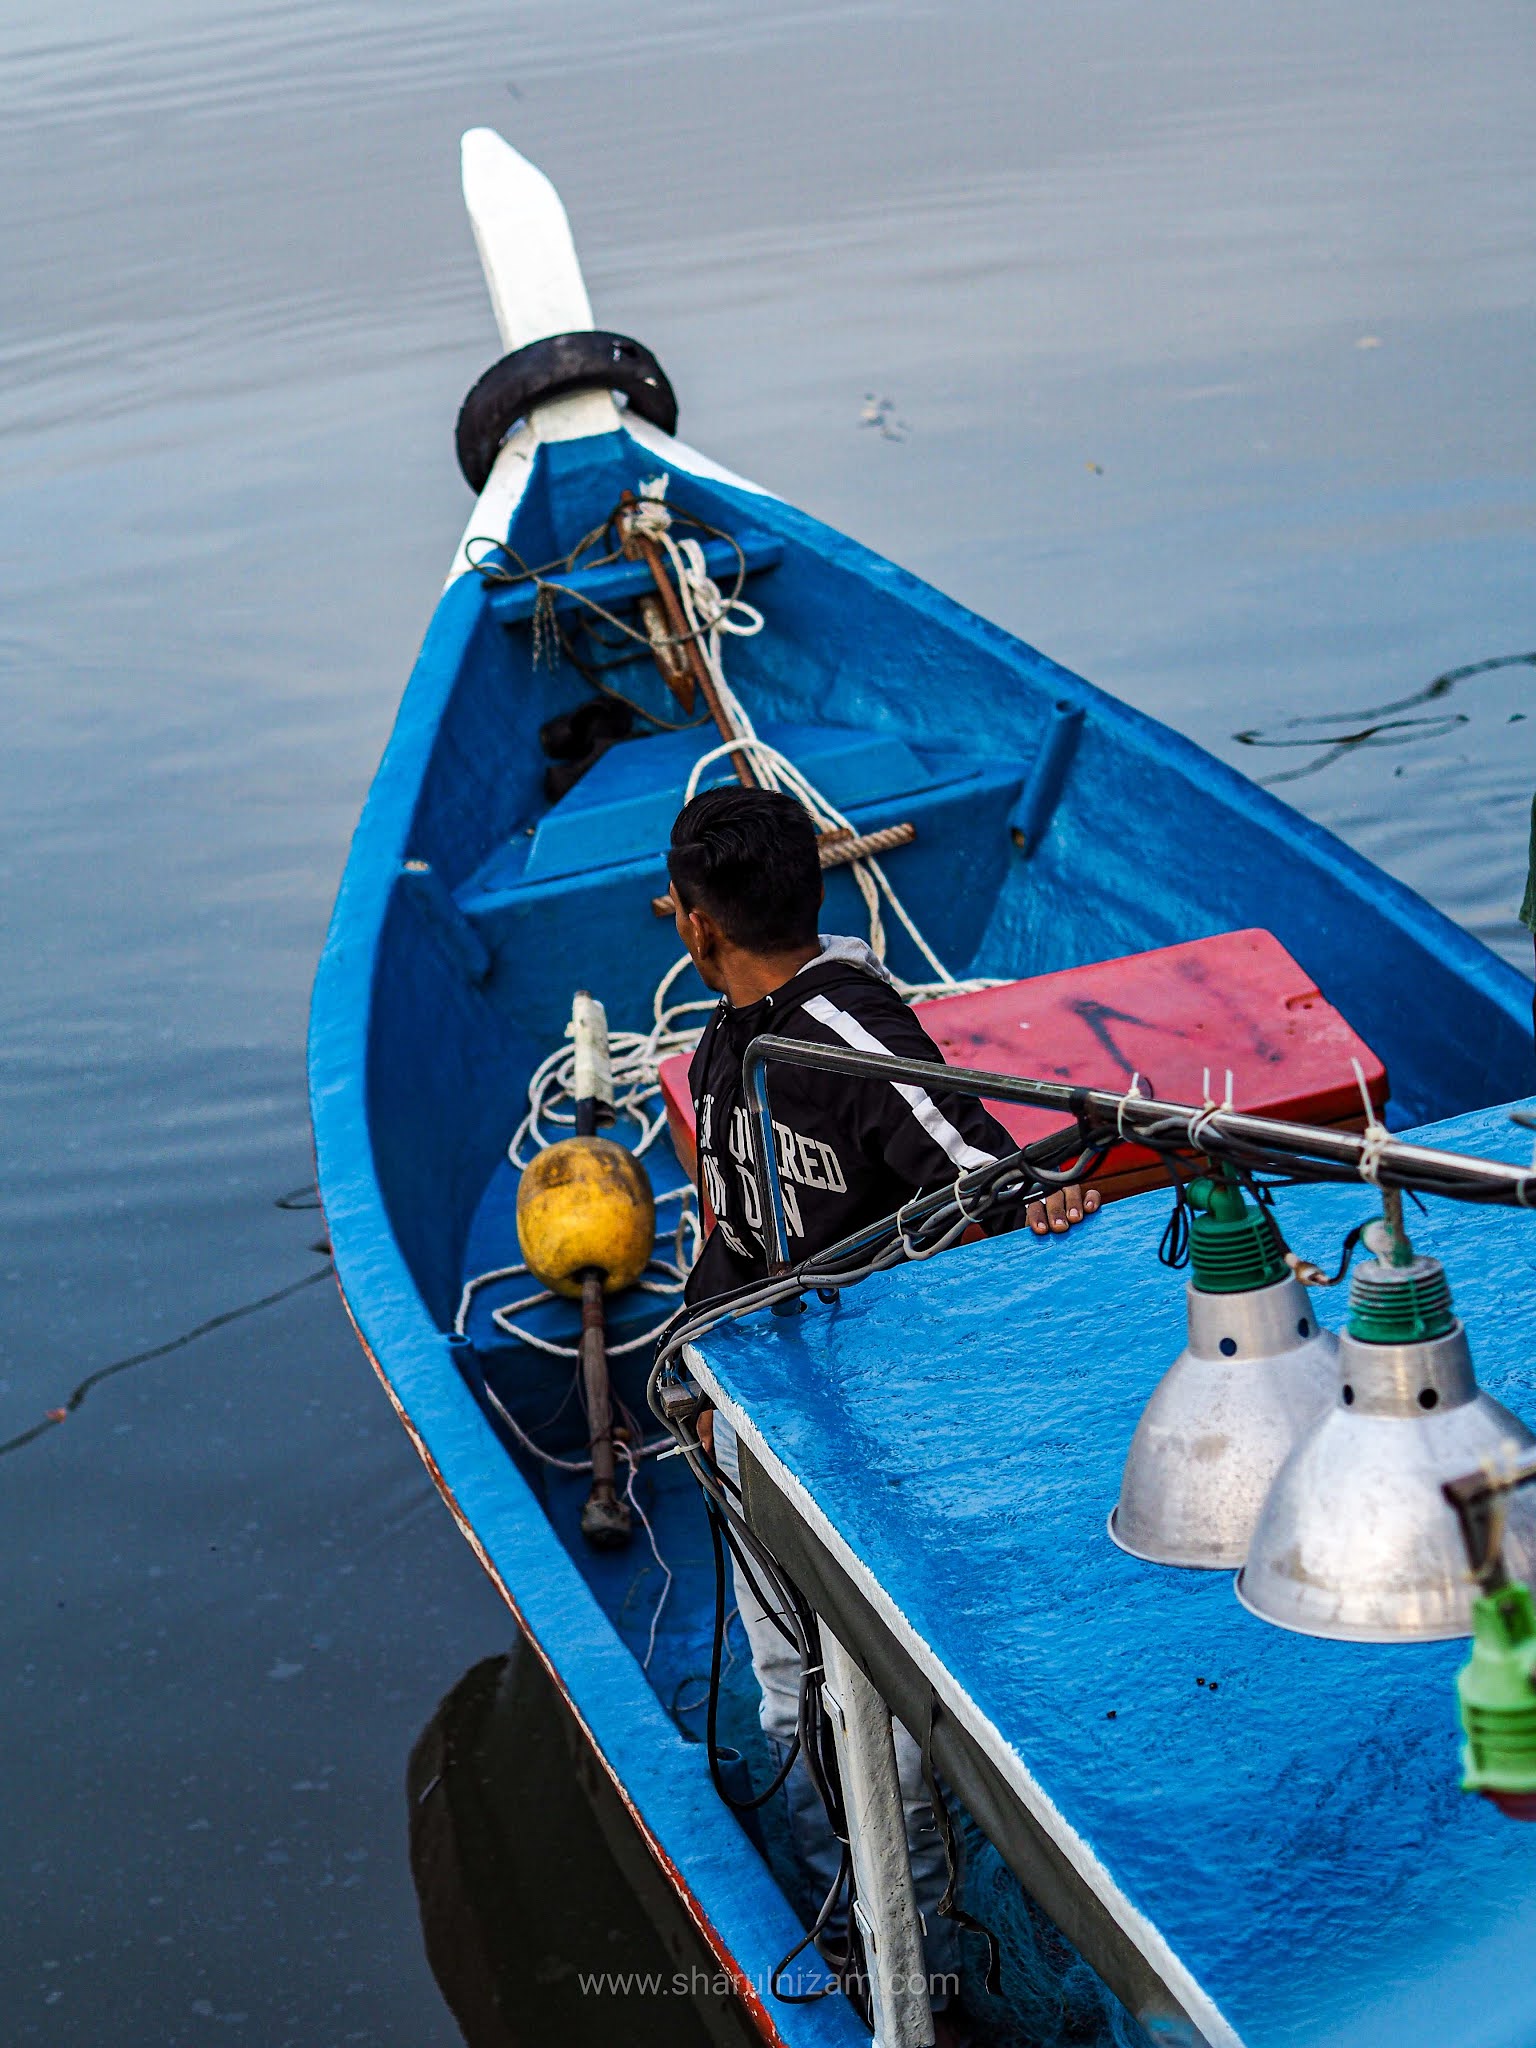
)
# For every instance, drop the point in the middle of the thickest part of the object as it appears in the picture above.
(1053, 826)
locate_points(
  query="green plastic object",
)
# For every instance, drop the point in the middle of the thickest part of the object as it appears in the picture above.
(1234, 1246)
(1497, 1691)
(1391, 1304)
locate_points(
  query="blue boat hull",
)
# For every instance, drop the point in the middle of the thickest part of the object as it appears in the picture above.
(470, 909)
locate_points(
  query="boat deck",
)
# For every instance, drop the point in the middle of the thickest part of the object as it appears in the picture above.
(1257, 1836)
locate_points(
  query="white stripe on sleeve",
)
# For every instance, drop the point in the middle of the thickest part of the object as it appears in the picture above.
(918, 1100)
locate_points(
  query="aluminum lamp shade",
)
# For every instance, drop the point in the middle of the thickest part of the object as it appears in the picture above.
(1356, 1541)
(1256, 1373)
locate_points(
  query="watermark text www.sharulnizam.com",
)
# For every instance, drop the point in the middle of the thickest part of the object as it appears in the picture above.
(704, 1983)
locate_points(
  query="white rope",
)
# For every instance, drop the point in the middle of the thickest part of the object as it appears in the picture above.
(534, 1450)
(578, 1466)
(473, 1287)
(709, 615)
(1376, 1134)
(1132, 1094)
(775, 770)
(1198, 1124)
(962, 1187)
(708, 611)
(917, 1253)
(1375, 1138)
(650, 516)
(657, 1448)
(505, 1317)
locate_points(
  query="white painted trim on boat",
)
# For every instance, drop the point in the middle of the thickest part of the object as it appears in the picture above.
(678, 455)
(524, 238)
(1213, 2024)
(496, 506)
(884, 1898)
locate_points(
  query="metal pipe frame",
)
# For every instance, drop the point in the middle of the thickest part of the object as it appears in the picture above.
(1134, 1118)
(885, 1903)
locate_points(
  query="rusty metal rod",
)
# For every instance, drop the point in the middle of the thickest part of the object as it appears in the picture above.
(638, 543)
(669, 658)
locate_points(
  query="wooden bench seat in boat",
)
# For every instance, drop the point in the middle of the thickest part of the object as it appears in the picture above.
(575, 887)
(1234, 1001)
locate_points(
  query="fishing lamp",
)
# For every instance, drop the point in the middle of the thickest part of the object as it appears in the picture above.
(1356, 1540)
(1496, 1687)
(1256, 1371)
(1497, 1692)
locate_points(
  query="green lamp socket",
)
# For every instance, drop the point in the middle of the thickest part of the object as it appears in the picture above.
(1497, 1692)
(1234, 1246)
(1392, 1304)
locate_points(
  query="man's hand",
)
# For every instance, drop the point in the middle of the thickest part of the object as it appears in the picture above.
(705, 1427)
(1058, 1212)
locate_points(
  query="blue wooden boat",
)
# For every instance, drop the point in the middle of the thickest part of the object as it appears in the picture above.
(1051, 826)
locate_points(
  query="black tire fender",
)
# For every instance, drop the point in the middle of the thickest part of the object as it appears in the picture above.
(553, 368)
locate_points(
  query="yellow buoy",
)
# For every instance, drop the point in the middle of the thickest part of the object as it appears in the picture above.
(586, 1204)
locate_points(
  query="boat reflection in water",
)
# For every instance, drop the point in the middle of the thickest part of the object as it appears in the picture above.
(543, 1917)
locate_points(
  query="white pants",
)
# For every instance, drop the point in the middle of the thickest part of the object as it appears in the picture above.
(777, 1668)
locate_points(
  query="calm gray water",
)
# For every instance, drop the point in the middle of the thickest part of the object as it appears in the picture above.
(1212, 329)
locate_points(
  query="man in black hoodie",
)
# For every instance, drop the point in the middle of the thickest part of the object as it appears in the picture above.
(746, 885)
(747, 890)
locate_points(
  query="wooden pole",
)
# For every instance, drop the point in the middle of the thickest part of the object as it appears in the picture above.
(604, 1517)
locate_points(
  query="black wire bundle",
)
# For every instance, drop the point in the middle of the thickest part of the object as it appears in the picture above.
(793, 1618)
(926, 1225)
(609, 642)
(1190, 1139)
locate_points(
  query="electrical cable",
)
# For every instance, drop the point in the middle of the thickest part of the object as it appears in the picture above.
(712, 1711)
(662, 1565)
(797, 1623)
(828, 1908)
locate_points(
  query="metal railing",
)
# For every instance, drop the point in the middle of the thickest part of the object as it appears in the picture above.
(1109, 1116)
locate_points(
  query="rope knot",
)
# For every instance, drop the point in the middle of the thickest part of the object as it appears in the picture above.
(649, 516)
(1198, 1124)
(1134, 1093)
(1376, 1135)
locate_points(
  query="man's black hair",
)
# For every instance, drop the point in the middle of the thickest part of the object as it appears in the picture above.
(750, 858)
